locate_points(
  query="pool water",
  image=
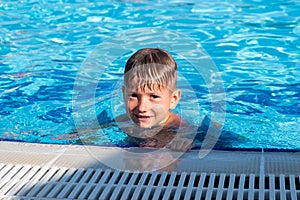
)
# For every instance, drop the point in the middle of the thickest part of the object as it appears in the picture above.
(254, 45)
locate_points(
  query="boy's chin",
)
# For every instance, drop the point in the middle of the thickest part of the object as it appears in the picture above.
(144, 126)
(149, 127)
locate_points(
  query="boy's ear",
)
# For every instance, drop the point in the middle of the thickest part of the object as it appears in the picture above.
(123, 91)
(175, 99)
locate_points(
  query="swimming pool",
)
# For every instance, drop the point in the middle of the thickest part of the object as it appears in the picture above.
(253, 44)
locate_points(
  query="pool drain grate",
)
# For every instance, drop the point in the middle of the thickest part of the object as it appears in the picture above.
(34, 182)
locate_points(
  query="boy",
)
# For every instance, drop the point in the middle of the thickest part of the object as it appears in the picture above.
(150, 94)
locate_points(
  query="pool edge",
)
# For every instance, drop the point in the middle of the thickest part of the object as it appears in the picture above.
(217, 161)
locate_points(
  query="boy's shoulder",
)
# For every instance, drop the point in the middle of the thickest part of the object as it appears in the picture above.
(175, 120)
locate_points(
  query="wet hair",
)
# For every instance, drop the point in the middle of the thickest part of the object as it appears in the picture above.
(151, 68)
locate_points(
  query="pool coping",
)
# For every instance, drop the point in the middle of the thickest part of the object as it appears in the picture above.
(141, 159)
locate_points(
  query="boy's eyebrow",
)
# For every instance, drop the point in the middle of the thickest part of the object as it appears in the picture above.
(150, 92)
(154, 93)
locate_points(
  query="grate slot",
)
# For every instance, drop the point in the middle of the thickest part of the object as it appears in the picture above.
(180, 187)
(24, 180)
(35, 185)
(99, 186)
(52, 182)
(200, 187)
(4, 170)
(230, 191)
(2, 166)
(293, 187)
(169, 185)
(60, 185)
(272, 187)
(282, 186)
(95, 177)
(68, 188)
(297, 180)
(130, 186)
(8, 173)
(80, 184)
(13, 178)
(160, 185)
(109, 187)
(251, 188)
(298, 186)
(220, 190)
(241, 186)
(151, 186)
(120, 186)
(138, 189)
(210, 187)
(190, 189)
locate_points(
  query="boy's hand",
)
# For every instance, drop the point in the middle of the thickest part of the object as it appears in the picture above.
(181, 144)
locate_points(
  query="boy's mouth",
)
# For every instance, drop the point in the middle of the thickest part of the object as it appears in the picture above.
(143, 117)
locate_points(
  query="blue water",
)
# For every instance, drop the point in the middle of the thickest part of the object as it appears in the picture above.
(45, 45)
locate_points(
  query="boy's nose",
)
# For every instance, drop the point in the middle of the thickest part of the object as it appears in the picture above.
(143, 105)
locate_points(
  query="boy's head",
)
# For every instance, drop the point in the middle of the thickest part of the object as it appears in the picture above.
(151, 67)
(150, 93)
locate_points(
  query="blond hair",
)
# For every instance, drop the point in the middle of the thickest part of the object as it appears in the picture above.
(151, 68)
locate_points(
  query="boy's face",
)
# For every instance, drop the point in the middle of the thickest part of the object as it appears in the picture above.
(149, 107)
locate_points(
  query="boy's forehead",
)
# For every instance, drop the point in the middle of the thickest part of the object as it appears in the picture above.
(151, 84)
(146, 88)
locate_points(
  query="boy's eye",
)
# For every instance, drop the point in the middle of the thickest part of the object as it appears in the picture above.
(133, 95)
(155, 96)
